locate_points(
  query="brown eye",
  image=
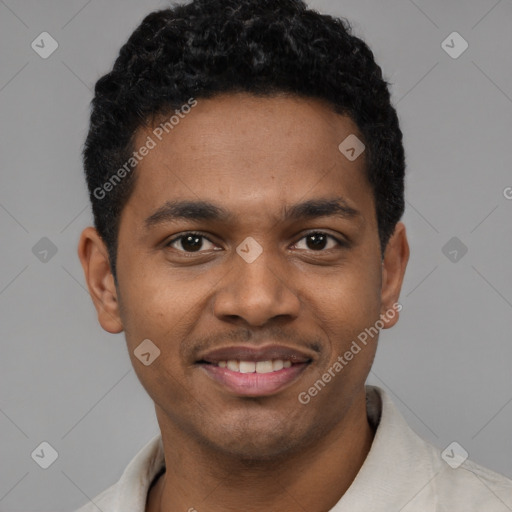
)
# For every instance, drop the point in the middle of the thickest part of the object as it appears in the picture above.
(319, 241)
(189, 242)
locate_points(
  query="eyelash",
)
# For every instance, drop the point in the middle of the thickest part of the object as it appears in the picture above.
(341, 243)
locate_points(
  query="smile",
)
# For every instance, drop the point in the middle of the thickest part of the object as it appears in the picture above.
(251, 371)
(255, 367)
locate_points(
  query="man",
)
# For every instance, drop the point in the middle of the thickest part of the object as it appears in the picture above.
(246, 169)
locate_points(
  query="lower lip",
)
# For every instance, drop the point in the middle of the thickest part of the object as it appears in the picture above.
(254, 384)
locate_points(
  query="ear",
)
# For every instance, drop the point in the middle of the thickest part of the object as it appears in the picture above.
(93, 255)
(394, 264)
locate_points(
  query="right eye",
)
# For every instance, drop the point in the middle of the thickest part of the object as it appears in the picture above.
(190, 242)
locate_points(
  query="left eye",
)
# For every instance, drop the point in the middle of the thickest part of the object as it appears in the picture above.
(319, 241)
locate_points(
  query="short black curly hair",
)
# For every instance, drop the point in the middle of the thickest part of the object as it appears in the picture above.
(262, 47)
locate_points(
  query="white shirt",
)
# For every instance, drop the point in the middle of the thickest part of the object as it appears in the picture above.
(402, 473)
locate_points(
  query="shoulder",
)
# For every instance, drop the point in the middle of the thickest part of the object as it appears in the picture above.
(473, 487)
(416, 476)
(104, 501)
(129, 493)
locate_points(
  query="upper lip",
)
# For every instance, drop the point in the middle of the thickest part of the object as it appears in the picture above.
(251, 353)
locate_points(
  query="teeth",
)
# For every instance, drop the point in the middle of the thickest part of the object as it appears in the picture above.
(278, 364)
(234, 366)
(247, 366)
(264, 367)
(255, 367)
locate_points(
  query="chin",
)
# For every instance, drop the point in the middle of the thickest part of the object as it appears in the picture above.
(257, 451)
(257, 443)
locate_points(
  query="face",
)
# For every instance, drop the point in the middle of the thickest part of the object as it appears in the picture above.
(250, 237)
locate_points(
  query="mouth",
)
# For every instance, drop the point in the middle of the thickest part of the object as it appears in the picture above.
(249, 371)
(268, 366)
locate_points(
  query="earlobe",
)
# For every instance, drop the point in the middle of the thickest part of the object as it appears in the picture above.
(93, 255)
(394, 264)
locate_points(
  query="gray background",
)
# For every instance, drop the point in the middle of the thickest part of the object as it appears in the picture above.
(448, 362)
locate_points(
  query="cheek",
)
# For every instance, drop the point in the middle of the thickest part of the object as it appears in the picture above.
(347, 302)
(156, 311)
(163, 305)
(153, 312)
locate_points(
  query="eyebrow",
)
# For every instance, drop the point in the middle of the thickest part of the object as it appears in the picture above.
(207, 211)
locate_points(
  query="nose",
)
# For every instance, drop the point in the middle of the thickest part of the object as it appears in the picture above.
(256, 292)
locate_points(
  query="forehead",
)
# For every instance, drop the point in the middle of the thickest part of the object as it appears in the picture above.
(251, 154)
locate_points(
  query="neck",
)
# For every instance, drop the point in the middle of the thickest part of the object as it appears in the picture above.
(313, 479)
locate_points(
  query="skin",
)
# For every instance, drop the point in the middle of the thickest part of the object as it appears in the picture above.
(252, 156)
